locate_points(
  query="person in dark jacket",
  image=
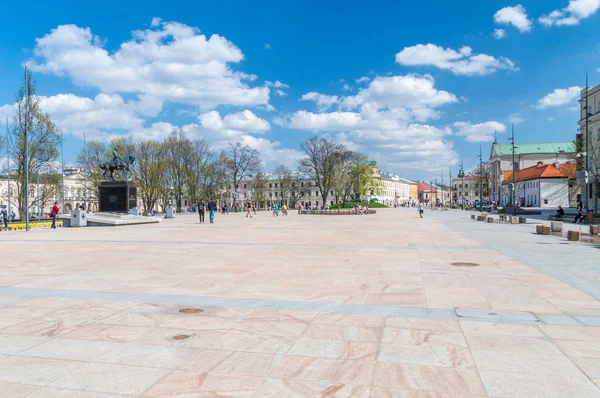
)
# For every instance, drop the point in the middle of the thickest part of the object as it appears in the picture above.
(201, 206)
(212, 207)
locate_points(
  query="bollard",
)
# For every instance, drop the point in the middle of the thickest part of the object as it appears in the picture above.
(522, 220)
(556, 226)
(490, 220)
(472, 216)
(573, 235)
(542, 229)
(514, 220)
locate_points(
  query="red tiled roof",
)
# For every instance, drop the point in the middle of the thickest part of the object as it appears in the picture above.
(541, 171)
(423, 187)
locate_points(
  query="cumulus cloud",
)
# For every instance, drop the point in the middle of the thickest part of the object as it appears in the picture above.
(516, 16)
(363, 79)
(169, 61)
(571, 15)
(515, 118)
(559, 97)
(481, 132)
(499, 34)
(461, 62)
(267, 46)
(384, 120)
(323, 101)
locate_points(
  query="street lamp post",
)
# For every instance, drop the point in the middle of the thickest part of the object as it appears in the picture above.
(514, 187)
(480, 180)
(461, 175)
(8, 168)
(587, 119)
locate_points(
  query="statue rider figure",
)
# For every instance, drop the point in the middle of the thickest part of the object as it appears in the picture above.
(116, 159)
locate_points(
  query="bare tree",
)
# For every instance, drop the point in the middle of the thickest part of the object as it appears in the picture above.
(197, 160)
(343, 177)
(34, 140)
(259, 189)
(242, 162)
(319, 162)
(283, 176)
(177, 147)
(149, 168)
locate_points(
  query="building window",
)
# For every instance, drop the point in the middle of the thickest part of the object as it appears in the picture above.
(270, 185)
(301, 184)
(316, 193)
(244, 186)
(293, 185)
(270, 195)
(331, 193)
(545, 201)
(275, 185)
(516, 166)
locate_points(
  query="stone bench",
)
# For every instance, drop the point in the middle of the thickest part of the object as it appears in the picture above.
(335, 212)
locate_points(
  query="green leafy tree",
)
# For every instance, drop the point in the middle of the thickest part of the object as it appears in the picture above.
(149, 168)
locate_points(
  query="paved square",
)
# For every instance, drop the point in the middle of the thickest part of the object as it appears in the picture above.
(365, 306)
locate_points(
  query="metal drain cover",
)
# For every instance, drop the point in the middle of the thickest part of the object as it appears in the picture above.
(465, 264)
(181, 337)
(191, 310)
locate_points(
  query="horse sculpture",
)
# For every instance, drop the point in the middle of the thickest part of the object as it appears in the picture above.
(118, 163)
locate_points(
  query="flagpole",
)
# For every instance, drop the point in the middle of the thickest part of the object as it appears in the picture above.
(62, 170)
(84, 174)
(8, 168)
(27, 156)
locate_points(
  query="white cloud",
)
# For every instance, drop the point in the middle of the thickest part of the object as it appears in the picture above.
(481, 132)
(550, 119)
(461, 62)
(499, 33)
(571, 15)
(559, 97)
(280, 93)
(382, 121)
(516, 16)
(363, 79)
(323, 101)
(279, 84)
(156, 22)
(267, 46)
(235, 123)
(333, 121)
(515, 118)
(346, 87)
(169, 61)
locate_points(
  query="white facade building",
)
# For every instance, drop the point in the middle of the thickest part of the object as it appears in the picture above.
(392, 190)
(593, 120)
(526, 155)
(544, 185)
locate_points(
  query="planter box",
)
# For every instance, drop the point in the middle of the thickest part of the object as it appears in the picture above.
(480, 218)
(542, 229)
(490, 220)
(522, 220)
(594, 229)
(472, 216)
(502, 217)
(556, 226)
(514, 220)
(573, 235)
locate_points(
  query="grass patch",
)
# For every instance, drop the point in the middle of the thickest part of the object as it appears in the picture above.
(350, 205)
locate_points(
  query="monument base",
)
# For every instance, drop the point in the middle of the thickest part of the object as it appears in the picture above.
(117, 196)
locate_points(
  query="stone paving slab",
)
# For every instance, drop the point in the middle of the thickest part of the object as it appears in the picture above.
(292, 306)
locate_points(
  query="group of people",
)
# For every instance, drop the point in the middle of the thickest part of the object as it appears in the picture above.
(276, 209)
(361, 210)
(211, 206)
(5, 217)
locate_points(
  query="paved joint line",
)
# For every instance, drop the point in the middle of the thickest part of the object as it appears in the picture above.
(237, 244)
(388, 311)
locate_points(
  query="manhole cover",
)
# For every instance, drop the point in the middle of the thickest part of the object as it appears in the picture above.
(465, 264)
(191, 310)
(181, 337)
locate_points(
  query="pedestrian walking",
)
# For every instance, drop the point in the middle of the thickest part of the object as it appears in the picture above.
(421, 209)
(4, 216)
(53, 214)
(275, 210)
(248, 210)
(212, 207)
(201, 206)
(579, 216)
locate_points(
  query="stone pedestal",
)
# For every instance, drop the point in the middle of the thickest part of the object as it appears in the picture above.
(573, 235)
(135, 211)
(522, 220)
(542, 229)
(78, 218)
(170, 212)
(117, 197)
(490, 220)
(514, 220)
(556, 226)
(594, 229)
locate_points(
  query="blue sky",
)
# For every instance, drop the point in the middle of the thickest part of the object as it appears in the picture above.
(438, 77)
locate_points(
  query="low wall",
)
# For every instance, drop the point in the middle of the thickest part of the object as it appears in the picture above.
(341, 212)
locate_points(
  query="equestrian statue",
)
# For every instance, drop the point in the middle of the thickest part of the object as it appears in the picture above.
(117, 163)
